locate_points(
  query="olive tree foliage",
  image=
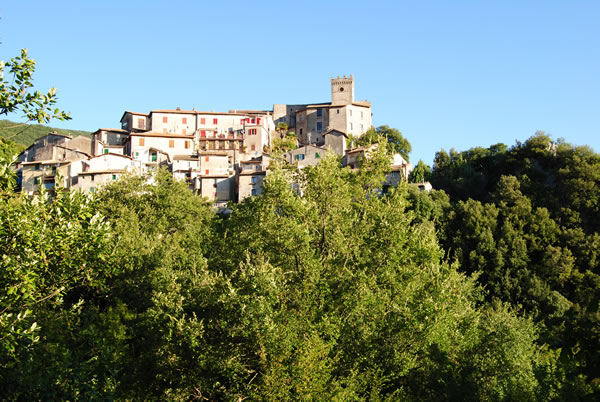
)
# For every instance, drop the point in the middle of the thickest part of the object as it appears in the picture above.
(16, 94)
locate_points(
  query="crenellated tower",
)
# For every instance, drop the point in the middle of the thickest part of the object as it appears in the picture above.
(342, 90)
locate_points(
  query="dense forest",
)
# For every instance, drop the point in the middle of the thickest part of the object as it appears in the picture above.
(483, 289)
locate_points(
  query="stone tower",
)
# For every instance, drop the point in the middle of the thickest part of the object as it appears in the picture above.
(342, 90)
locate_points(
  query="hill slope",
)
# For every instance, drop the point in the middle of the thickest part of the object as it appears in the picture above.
(26, 134)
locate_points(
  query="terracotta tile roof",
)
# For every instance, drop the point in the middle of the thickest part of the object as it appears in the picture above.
(116, 130)
(214, 176)
(47, 162)
(335, 131)
(213, 153)
(330, 105)
(252, 173)
(196, 112)
(133, 113)
(106, 171)
(151, 134)
(185, 158)
(112, 154)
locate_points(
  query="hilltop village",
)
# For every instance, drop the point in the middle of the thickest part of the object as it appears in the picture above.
(223, 156)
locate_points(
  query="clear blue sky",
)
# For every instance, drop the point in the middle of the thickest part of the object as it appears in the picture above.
(445, 73)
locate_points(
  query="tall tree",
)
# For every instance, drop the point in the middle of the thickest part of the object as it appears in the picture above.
(421, 173)
(396, 141)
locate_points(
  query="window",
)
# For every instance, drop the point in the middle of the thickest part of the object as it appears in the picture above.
(92, 177)
(242, 121)
(141, 142)
(215, 121)
(114, 177)
(300, 157)
(137, 154)
(319, 126)
(203, 120)
(361, 115)
(203, 133)
(350, 111)
(300, 131)
(300, 117)
(253, 147)
(142, 123)
(184, 120)
(187, 144)
(317, 156)
(206, 171)
(92, 189)
(253, 121)
(337, 111)
(37, 167)
(184, 131)
(254, 179)
(171, 143)
(165, 119)
(105, 150)
(206, 159)
(36, 180)
(258, 121)
(362, 128)
(350, 126)
(164, 130)
(153, 156)
(319, 112)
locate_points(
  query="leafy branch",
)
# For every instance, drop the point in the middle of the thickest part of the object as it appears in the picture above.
(16, 94)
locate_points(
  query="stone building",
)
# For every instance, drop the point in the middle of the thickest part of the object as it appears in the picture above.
(310, 122)
(306, 155)
(57, 147)
(222, 156)
(98, 170)
(51, 156)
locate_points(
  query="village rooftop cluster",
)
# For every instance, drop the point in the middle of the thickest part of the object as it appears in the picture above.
(223, 156)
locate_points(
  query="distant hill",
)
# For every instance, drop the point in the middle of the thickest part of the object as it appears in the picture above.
(26, 134)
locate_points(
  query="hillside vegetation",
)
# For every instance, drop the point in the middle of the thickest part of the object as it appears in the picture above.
(526, 220)
(25, 134)
(485, 289)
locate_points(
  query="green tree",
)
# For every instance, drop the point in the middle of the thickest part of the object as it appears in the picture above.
(421, 173)
(16, 81)
(396, 141)
(281, 128)
(55, 255)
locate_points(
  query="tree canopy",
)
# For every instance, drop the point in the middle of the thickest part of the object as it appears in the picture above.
(339, 293)
(396, 141)
(525, 219)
